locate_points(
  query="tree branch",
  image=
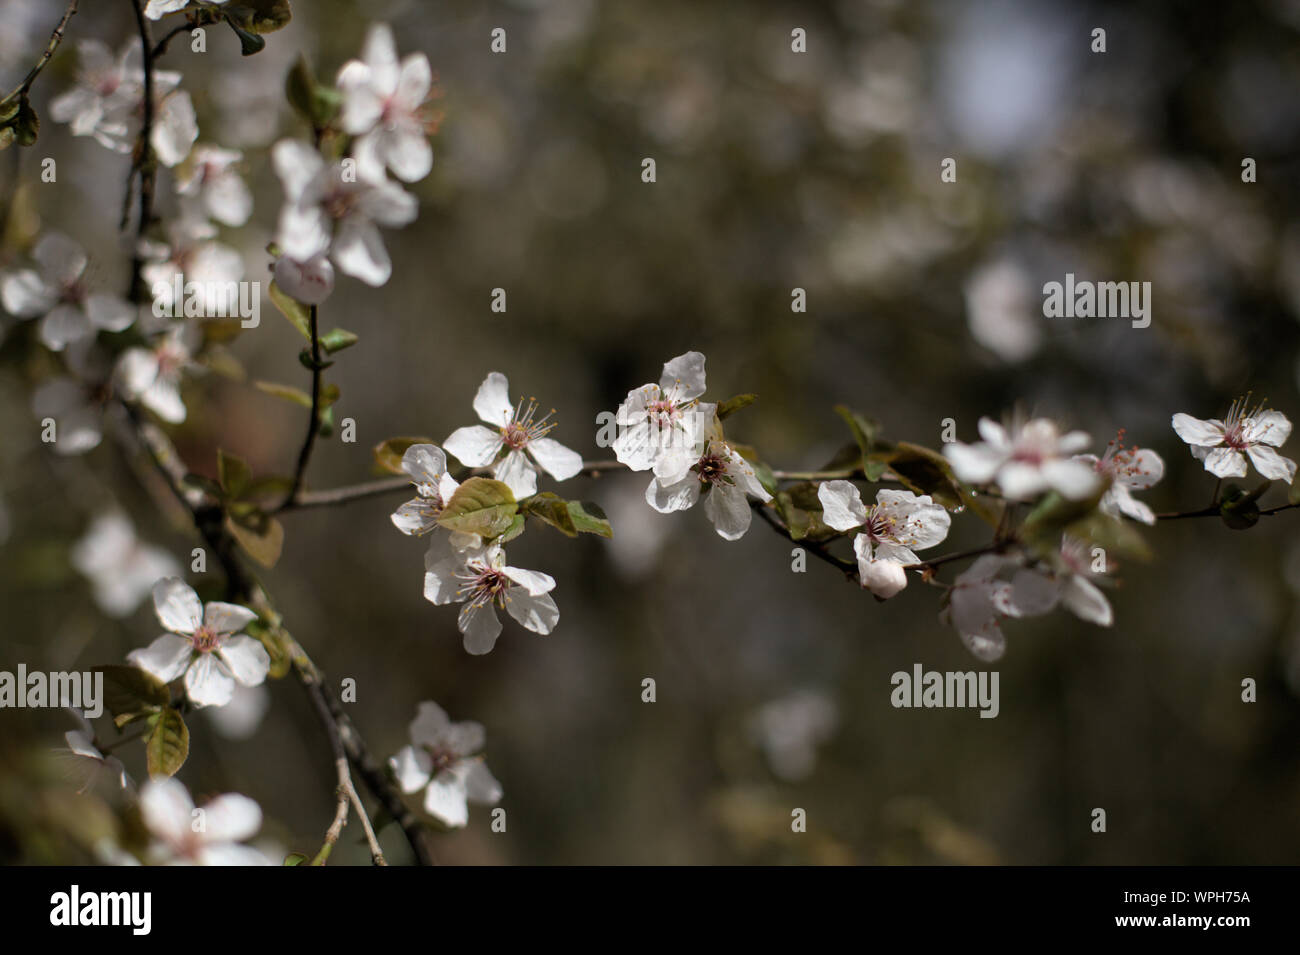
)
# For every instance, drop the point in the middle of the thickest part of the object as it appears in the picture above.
(313, 426)
(55, 39)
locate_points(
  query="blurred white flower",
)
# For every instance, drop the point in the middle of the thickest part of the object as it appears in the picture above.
(790, 729)
(121, 568)
(152, 376)
(183, 835)
(203, 646)
(653, 414)
(992, 589)
(310, 281)
(705, 465)
(1002, 310)
(90, 765)
(1129, 469)
(480, 578)
(211, 177)
(519, 433)
(57, 292)
(1025, 460)
(427, 467)
(327, 208)
(441, 761)
(384, 107)
(76, 409)
(157, 9)
(240, 718)
(191, 254)
(898, 524)
(1225, 445)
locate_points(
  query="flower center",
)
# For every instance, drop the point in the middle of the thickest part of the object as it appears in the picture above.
(485, 584)
(711, 468)
(525, 426)
(205, 639)
(338, 203)
(879, 527)
(429, 491)
(441, 758)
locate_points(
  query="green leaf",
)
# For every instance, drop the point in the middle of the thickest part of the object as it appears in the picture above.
(864, 430)
(311, 364)
(801, 510)
(273, 639)
(233, 474)
(480, 506)
(131, 692)
(588, 518)
(6, 137)
(388, 454)
(337, 339)
(294, 858)
(287, 392)
(729, 407)
(1116, 537)
(1293, 496)
(550, 509)
(298, 314)
(260, 535)
(26, 124)
(328, 395)
(271, 485)
(924, 471)
(260, 16)
(300, 88)
(168, 743)
(249, 43)
(514, 530)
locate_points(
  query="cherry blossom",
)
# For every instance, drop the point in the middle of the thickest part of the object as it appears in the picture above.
(211, 178)
(1025, 460)
(90, 764)
(183, 835)
(329, 209)
(1225, 445)
(1128, 469)
(57, 292)
(441, 761)
(790, 729)
(157, 9)
(152, 376)
(427, 466)
(384, 107)
(654, 414)
(480, 578)
(204, 646)
(77, 410)
(103, 98)
(191, 254)
(706, 466)
(519, 440)
(898, 524)
(121, 568)
(992, 589)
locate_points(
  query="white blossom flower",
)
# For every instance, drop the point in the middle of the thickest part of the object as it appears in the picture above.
(90, 764)
(157, 9)
(121, 567)
(654, 414)
(1074, 582)
(441, 761)
(240, 718)
(480, 578)
(519, 434)
(209, 271)
(706, 465)
(790, 729)
(1225, 445)
(57, 290)
(183, 835)
(384, 107)
(310, 281)
(427, 467)
(1025, 460)
(211, 177)
(105, 93)
(992, 589)
(152, 376)
(203, 646)
(329, 209)
(77, 410)
(896, 526)
(1129, 469)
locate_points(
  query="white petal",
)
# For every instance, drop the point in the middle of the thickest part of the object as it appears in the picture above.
(842, 506)
(445, 800)
(479, 624)
(480, 785)
(63, 325)
(673, 497)
(363, 105)
(537, 612)
(177, 605)
(533, 581)
(1086, 602)
(685, 374)
(414, 82)
(227, 618)
(1271, 464)
(474, 446)
(61, 259)
(1267, 427)
(231, 818)
(1072, 479)
(229, 854)
(416, 517)
(359, 251)
(24, 294)
(297, 165)
(556, 460)
(207, 683)
(425, 463)
(1206, 434)
(1225, 462)
(166, 658)
(492, 401)
(408, 154)
(884, 578)
(246, 659)
(430, 725)
(1031, 594)
(167, 809)
(411, 768)
(175, 128)
(1021, 481)
(518, 473)
(311, 281)
(727, 507)
(109, 312)
(976, 463)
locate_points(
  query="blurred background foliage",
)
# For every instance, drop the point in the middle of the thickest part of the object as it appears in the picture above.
(775, 170)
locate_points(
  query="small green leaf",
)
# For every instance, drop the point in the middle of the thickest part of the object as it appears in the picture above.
(249, 43)
(514, 530)
(550, 509)
(388, 454)
(311, 364)
(168, 743)
(26, 124)
(588, 518)
(298, 314)
(480, 506)
(864, 430)
(233, 474)
(260, 535)
(294, 858)
(337, 339)
(801, 510)
(923, 471)
(729, 407)
(1116, 537)
(300, 87)
(287, 392)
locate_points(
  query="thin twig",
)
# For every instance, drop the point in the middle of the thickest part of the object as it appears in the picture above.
(55, 39)
(143, 160)
(313, 426)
